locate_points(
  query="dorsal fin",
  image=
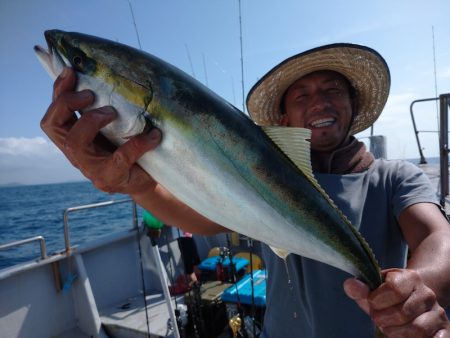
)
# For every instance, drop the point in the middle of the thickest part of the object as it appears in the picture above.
(294, 143)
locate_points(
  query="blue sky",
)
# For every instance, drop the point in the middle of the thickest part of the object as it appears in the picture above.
(202, 38)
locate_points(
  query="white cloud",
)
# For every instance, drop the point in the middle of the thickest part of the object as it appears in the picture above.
(395, 123)
(33, 161)
(397, 105)
(21, 146)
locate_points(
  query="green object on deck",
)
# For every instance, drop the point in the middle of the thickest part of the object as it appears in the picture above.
(151, 221)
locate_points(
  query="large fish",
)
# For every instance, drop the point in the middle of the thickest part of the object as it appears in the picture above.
(254, 181)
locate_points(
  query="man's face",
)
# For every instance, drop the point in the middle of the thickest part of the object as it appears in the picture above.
(320, 101)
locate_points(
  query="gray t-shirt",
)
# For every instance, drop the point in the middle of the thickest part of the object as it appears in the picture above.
(305, 298)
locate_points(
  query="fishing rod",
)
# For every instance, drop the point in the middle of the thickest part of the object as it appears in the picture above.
(252, 286)
(181, 317)
(242, 57)
(153, 232)
(135, 210)
(195, 303)
(249, 240)
(144, 291)
(232, 274)
(154, 227)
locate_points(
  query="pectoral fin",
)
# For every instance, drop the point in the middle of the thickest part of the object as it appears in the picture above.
(280, 252)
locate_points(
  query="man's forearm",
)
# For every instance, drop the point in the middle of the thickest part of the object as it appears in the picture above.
(431, 259)
(172, 211)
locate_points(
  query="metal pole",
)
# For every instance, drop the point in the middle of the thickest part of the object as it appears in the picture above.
(164, 284)
(26, 241)
(84, 207)
(444, 101)
(416, 132)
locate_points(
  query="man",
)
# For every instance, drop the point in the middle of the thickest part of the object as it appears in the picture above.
(336, 91)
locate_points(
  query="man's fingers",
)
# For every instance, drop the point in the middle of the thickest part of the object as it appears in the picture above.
(138, 145)
(402, 306)
(429, 324)
(65, 102)
(398, 285)
(83, 133)
(127, 154)
(420, 301)
(60, 113)
(119, 169)
(66, 81)
(356, 289)
(359, 292)
(122, 167)
(445, 333)
(110, 168)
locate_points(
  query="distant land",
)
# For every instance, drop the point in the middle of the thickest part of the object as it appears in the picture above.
(11, 184)
(18, 184)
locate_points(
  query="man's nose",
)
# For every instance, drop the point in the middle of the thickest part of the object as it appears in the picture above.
(319, 101)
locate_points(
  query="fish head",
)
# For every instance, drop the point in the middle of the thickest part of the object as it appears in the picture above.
(111, 71)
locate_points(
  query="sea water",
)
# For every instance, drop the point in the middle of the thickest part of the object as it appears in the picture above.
(37, 210)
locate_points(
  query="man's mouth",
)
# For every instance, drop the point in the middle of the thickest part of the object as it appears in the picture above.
(321, 123)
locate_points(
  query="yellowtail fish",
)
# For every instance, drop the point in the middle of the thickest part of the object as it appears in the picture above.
(212, 157)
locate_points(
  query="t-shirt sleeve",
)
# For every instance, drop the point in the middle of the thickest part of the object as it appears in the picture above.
(411, 186)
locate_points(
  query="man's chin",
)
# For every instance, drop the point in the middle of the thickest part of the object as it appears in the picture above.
(327, 146)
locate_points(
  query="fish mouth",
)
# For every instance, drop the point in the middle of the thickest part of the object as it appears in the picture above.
(50, 58)
(51, 38)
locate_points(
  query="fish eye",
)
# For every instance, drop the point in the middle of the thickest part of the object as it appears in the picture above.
(77, 61)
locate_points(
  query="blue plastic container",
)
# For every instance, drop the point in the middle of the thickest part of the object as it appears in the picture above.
(209, 264)
(243, 288)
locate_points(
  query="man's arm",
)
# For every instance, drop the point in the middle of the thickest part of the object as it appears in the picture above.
(410, 301)
(113, 169)
(164, 206)
(427, 233)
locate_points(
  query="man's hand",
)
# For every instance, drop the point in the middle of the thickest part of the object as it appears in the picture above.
(111, 169)
(403, 306)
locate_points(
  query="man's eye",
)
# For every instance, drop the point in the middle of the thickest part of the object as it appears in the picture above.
(301, 96)
(334, 91)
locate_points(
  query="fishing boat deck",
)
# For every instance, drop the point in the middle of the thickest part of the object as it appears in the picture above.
(128, 319)
(74, 333)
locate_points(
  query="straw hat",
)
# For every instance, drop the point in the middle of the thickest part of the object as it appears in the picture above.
(366, 70)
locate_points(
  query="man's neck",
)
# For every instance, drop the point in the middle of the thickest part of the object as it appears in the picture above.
(320, 160)
(351, 156)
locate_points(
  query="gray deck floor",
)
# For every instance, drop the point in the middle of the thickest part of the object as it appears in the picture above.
(128, 319)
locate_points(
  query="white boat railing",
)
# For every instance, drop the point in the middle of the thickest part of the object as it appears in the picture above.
(26, 241)
(67, 212)
(92, 206)
(443, 131)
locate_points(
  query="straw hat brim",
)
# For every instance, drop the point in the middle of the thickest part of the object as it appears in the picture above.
(366, 70)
